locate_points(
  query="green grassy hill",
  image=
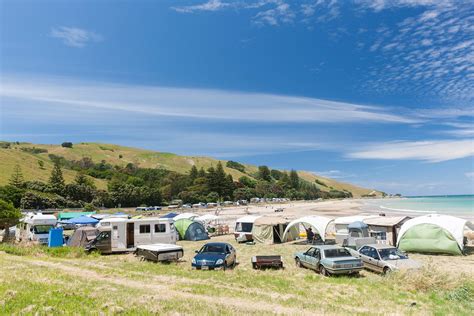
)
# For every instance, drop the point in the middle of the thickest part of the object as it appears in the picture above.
(22, 154)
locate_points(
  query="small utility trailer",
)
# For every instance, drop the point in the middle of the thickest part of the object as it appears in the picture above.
(159, 252)
(259, 262)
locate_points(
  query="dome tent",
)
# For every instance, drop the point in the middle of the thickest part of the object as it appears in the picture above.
(320, 223)
(190, 230)
(433, 233)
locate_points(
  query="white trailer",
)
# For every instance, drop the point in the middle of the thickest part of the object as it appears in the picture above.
(35, 227)
(123, 234)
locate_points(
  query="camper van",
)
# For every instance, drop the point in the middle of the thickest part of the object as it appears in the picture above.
(243, 228)
(123, 234)
(35, 227)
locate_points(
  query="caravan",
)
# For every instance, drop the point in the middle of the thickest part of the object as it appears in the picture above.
(123, 234)
(35, 227)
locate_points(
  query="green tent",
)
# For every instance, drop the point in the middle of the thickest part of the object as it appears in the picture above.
(433, 233)
(190, 230)
(69, 215)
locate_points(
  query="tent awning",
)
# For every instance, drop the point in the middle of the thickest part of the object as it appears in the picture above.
(320, 223)
(270, 220)
(387, 221)
(454, 225)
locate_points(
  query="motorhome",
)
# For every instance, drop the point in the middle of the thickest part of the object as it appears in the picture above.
(123, 234)
(35, 227)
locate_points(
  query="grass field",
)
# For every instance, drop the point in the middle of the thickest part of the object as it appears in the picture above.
(121, 156)
(67, 281)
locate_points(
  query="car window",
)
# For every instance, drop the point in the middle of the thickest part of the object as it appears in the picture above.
(364, 250)
(316, 253)
(336, 252)
(392, 254)
(372, 252)
(310, 252)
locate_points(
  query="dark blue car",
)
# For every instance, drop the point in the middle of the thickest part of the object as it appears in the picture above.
(213, 256)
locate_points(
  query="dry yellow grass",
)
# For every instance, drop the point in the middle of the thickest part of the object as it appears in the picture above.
(122, 283)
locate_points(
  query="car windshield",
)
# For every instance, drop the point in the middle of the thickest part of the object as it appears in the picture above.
(334, 253)
(391, 254)
(213, 248)
(42, 229)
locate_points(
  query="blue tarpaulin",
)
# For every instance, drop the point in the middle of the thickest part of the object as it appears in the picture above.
(169, 215)
(82, 220)
(55, 237)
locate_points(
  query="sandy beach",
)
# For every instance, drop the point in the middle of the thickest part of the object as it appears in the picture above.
(293, 210)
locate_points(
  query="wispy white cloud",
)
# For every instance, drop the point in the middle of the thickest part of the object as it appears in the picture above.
(74, 36)
(211, 5)
(334, 174)
(430, 54)
(430, 150)
(470, 175)
(194, 103)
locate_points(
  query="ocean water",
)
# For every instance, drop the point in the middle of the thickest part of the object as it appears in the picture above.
(450, 204)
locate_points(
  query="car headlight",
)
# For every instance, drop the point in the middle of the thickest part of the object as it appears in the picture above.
(194, 261)
(219, 261)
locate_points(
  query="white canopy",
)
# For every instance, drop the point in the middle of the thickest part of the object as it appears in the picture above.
(320, 223)
(346, 220)
(247, 219)
(206, 218)
(185, 215)
(454, 225)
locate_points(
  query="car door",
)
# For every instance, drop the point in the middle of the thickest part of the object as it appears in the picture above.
(309, 259)
(364, 254)
(316, 259)
(373, 259)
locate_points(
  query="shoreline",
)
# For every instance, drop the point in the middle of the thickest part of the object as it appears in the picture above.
(332, 209)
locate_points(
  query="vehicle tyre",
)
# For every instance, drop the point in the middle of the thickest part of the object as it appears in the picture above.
(386, 270)
(225, 266)
(323, 271)
(254, 265)
(298, 263)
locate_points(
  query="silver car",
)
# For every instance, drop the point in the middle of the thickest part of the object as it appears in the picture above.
(385, 258)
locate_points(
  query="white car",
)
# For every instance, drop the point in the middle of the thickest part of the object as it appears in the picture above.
(385, 258)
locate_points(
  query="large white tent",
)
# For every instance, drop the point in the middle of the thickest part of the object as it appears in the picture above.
(320, 223)
(433, 233)
(207, 218)
(185, 216)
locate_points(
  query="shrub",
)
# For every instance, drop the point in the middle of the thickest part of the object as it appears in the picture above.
(34, 150)
(66, 145)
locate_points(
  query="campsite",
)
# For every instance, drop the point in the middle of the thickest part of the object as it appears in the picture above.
(70, 280)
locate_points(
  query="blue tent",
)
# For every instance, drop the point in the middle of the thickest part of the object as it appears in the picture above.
(82, 220)
(169, 215)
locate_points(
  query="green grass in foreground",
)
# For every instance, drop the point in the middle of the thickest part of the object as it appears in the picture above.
(68, 281)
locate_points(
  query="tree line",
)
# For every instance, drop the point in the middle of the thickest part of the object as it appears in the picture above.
(130, 186)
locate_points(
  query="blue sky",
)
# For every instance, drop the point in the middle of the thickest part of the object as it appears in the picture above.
(377, 93)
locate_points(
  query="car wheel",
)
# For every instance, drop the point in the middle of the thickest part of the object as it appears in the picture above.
(323, 271)
(225, 266)
(254, 265)
(298, 263)
(386, 270)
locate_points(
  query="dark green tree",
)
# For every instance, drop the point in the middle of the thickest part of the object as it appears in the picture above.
(246, 181)
(294, 180)
(82, 179)
(193, 173)
(16, 178)
(264, 173)
(56, 180)
(9, 216)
